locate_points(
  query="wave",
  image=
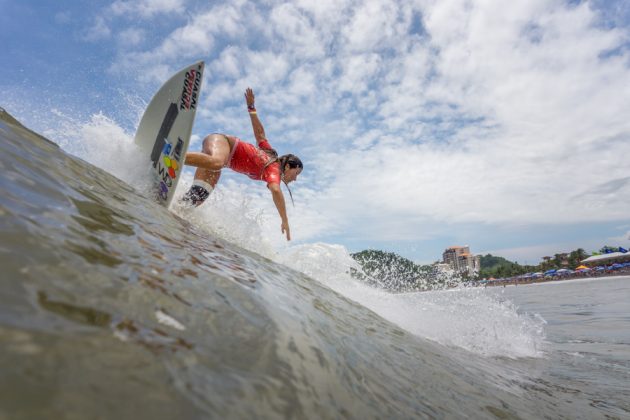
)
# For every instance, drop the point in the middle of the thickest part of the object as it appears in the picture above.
(194, 310)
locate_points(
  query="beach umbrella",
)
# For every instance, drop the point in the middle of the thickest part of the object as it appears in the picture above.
(549, 272)
(582, 267)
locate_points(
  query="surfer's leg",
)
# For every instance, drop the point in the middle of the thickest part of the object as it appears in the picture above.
(215, 154)
(209, 177)
(202, 186)
(215, 151)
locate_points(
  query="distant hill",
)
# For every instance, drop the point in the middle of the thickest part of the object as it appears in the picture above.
(490, 261)
(498, 267)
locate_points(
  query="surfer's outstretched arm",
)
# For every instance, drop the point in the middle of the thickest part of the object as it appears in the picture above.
(278, 200)
(259, 131)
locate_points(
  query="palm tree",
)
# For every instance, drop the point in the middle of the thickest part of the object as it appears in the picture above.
(576, 257)
(581, 254)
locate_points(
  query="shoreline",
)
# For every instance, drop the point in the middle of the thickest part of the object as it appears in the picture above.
(577, 280)
(558, 279)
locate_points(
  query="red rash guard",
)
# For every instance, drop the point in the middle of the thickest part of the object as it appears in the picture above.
(250, 160)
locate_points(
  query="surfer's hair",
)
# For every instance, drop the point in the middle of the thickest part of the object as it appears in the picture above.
(291, 160)
(284, 160)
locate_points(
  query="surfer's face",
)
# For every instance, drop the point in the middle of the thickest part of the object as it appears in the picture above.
(291, 174)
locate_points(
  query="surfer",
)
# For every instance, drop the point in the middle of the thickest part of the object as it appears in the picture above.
(260, 162)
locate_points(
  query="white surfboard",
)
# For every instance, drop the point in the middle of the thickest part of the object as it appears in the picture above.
(164, 131)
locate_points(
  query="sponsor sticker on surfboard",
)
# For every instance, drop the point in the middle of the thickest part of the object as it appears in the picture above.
(164, 131)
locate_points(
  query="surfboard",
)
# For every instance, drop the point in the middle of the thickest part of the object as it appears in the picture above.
(164, 131)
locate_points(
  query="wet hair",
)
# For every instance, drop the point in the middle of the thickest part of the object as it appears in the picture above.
(291, 160)
(284, 160)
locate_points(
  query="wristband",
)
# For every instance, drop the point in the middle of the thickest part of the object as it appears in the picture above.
(253, 113)
(251, 108)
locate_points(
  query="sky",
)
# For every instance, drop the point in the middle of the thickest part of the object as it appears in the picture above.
(422, 124)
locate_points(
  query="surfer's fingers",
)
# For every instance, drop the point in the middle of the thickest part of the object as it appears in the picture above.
(249, 97)
(285, 230)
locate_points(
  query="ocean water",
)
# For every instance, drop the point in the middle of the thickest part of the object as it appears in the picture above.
(114, 307)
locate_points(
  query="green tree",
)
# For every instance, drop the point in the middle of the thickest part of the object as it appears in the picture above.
(576, 257)
(499, 267)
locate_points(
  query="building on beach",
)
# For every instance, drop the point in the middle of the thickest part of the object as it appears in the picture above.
(563, 258)
(461, 260)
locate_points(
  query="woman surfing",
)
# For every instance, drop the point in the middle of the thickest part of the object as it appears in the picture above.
(260, 162)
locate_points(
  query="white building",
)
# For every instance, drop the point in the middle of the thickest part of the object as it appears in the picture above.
(461, 260)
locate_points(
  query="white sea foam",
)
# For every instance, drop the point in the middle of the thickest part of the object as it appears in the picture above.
(164, 318)
(102, 142)
(468, 318)
(229, 213)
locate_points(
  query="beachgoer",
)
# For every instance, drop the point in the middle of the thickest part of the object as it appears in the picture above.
(260, 162)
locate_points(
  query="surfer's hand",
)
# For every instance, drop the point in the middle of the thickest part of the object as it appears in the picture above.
(249, 97)
(286, 230)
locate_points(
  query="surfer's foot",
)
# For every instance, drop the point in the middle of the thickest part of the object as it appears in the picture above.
(198, 193)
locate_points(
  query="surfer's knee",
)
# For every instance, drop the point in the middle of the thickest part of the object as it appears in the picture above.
(198, 192)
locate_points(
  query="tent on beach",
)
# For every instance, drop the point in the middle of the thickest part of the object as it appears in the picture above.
(607, 258)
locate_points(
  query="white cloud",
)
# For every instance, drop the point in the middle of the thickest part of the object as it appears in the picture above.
(325, 12)
(296, 33)
(196, 39)
(128, 11)
(374, 25)
(228, 65)
(620, 240)
(358, 71)
(493, 112)
(98, 31)
(145, 8)
(131, 37)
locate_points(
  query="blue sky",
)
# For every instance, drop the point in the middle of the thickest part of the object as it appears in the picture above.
(422, 124)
